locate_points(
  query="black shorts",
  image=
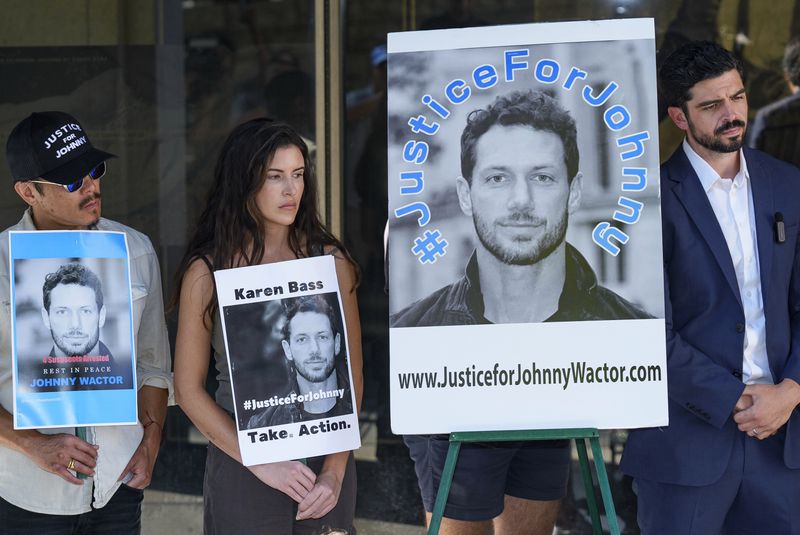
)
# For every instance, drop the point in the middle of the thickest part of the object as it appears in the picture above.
(486, 471)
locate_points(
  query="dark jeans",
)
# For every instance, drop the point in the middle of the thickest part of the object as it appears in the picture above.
(120, 516)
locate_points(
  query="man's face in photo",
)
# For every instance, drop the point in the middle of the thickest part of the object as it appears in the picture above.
(74, 319)
(520, 195)
(312, 345)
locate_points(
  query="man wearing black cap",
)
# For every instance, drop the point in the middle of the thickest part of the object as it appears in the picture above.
(50, 479)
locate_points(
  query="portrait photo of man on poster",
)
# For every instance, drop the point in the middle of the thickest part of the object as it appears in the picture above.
(77, 310)
(519, 183)
(303, 375)
(74, 311)
(515, 166)
(524, 229)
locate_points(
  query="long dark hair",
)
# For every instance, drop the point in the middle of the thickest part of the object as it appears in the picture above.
(231, 230)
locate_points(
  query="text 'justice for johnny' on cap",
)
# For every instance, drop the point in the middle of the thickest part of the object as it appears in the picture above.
(53, 146)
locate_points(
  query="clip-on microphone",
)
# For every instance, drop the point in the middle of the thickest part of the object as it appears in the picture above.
(780, 229)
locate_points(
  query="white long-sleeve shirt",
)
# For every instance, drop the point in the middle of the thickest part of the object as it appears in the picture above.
(22, 482)
(732, 202)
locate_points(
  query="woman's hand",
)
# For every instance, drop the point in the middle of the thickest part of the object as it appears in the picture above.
(293, 478)
(322, 498)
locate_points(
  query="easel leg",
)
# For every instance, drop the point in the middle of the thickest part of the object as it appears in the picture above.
(586, 474)
(579, 435)
(605, 488)
(444, 487)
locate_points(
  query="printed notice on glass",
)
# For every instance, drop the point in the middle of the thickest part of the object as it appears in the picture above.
(286, 341)
(526, 286)
(72, 335)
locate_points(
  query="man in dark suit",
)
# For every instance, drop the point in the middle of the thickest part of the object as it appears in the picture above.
(729, 461)
(776, 128)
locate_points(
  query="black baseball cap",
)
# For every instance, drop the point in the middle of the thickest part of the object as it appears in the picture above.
(53, 146)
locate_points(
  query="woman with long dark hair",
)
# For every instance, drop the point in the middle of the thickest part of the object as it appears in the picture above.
(262, 208)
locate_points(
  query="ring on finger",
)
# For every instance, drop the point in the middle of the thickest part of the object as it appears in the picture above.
(71, 465)
(755, 431)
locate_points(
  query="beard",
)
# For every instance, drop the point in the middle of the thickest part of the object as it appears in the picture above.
(86, 201)
(717, 143)
(314, 376)
(521, 252)
(70, 349)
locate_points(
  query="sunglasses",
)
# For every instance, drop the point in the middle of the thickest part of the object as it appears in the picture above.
(95, 173)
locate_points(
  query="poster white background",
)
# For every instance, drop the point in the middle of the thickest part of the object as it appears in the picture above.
(423, 63)
(299, 439)
(630, 402)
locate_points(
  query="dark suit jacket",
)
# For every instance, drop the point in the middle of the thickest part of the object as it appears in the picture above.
(776, 129)
(705, 321)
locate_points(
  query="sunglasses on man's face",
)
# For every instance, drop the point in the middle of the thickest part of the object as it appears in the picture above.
(95, 173)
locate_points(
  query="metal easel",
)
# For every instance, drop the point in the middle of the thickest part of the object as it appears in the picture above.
(578, 435)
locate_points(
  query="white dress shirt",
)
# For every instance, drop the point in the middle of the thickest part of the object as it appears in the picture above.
(732, 202)
(22, 482)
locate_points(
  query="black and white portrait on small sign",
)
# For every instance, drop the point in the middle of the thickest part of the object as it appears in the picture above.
(73, 323)
(288, 360)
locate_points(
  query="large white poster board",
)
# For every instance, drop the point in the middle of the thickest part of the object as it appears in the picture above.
(526, 286)
(286, 341)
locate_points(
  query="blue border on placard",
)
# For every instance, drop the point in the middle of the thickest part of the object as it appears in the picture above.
(70, 408)
(67, 244)
(85, 407)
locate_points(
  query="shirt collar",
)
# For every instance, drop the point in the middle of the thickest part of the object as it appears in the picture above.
(579, 281)
(26, 223)
(708, 177)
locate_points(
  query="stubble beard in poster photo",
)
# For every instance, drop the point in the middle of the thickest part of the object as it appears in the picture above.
(493, 226)
(288, 361)
(72, 324)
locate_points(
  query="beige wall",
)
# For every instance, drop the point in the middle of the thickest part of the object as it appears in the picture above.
(71, 23)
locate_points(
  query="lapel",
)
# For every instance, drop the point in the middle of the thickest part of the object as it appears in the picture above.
(761, 186)
(690, 193)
